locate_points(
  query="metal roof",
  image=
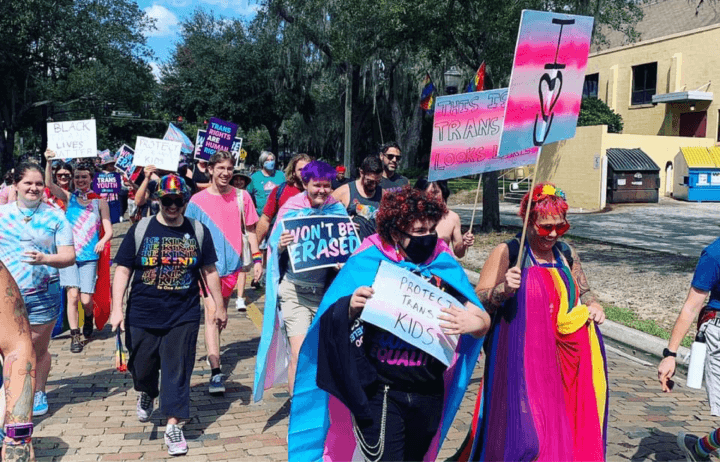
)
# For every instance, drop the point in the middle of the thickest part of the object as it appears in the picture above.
(633, 160)
(697, 157)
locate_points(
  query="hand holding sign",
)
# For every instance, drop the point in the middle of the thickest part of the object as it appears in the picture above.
(318, 241)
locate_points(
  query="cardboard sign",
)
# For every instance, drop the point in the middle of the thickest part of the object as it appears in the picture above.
(72, 140)
(466, 135)
(320, 241)
(547, 79)
(163, 154)
(219, 136)
(408, 307)
(107, 183)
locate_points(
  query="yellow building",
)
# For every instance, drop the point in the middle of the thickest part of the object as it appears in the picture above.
(661, 86)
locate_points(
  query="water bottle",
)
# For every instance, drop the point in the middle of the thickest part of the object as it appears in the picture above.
(697, 361)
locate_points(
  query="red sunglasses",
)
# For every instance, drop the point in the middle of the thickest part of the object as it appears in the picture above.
(545, 230)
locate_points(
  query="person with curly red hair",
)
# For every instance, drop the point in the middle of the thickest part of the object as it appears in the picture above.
(360, 388)
(545, 374)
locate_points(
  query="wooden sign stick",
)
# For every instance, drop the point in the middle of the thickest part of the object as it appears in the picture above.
(527, 212)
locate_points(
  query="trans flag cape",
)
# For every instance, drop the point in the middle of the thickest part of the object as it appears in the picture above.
(545, 394)
(273, 352)
(320, 425)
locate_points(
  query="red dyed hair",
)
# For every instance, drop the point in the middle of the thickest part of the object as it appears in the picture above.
(544, 205)
(398, 211)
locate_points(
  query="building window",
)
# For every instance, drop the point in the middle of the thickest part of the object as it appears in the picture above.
(590, 88)
(644, 83)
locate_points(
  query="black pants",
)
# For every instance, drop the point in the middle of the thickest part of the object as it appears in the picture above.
(412, 421)
(167, 351)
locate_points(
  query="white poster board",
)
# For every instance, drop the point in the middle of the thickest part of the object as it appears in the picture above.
(72, 140)
(408, 307)
(163, 154)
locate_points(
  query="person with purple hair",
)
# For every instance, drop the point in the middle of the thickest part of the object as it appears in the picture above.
(297, 293)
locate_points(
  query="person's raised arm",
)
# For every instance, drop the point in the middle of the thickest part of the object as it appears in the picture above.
(498, 282)
(461, 242)
(18, 367)
(141, 195)
(55, 190)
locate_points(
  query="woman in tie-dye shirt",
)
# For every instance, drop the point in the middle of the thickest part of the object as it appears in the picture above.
(86, 212)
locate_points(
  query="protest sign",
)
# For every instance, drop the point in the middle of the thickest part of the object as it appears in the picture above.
(408, 307)
(162, 154)
(466, 135)
(219, 136)
(236, 149)
(546, 84)
(72, 140)
(320, 241)
(107, 183)
(124, 163)
(199, 141)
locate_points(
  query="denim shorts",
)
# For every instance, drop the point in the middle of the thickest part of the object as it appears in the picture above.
(44, 307)
(82, 274)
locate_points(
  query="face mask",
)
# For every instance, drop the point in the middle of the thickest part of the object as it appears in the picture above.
(269, 165)
(420, 248)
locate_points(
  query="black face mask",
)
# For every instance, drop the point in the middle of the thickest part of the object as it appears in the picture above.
(420, 248)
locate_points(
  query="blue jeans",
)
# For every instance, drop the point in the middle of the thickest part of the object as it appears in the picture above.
(411, 423)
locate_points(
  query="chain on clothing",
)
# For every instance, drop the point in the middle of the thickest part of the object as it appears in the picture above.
(373, 453)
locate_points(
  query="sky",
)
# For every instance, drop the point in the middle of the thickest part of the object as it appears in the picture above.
(170, 13)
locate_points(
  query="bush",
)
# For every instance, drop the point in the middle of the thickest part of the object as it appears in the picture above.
(594, 111)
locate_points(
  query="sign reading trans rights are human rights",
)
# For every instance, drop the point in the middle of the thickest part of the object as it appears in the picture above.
(320, 241)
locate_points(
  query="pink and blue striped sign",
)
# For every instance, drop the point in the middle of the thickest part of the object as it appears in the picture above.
(466, 136)
(546, 85)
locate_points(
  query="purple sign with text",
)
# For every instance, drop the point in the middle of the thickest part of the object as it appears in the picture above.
(547, 80)
(466, 136)
(219, 136)
(107, 183)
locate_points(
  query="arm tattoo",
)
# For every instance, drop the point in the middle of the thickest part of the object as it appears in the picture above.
(586, 294)
(493, 298)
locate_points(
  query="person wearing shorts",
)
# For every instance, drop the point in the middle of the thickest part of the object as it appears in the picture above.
(218, 208)
(35, 242)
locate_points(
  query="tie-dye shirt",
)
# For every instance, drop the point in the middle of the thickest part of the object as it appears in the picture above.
(45, 232)
(221, 214)
(85, 220)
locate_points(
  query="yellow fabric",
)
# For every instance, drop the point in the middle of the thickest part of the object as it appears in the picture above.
(598, 372)
(575, 319)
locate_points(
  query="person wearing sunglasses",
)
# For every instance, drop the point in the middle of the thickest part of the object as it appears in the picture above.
(166, 255)
(545, 372)
(390, 156)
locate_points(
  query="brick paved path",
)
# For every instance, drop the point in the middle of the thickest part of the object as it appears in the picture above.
(92, 408)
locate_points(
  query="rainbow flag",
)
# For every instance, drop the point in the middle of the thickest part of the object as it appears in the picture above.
(478, 82)
(427, 97)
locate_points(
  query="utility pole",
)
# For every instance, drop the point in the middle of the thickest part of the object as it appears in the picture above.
(348, 118)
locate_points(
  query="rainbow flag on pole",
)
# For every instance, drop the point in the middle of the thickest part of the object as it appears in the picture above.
(478, 81)
(427, 97)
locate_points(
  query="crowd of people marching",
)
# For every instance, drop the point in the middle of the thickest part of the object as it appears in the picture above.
(357, 390)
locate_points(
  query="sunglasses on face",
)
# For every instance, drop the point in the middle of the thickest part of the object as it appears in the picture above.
(392, 157)
(546, 230)
(169, 201)
(63, 175)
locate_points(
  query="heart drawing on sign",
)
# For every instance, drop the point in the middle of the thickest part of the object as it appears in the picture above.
(549, 95)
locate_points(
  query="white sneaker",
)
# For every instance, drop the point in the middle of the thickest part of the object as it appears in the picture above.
(240, 304)
(144, 407)
(175, 440)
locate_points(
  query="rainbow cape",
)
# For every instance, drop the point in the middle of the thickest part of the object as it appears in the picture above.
(320, 425)
(273, 352)
(545, 393)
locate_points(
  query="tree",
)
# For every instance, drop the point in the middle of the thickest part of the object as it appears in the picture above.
(594, 111)
(54, 51)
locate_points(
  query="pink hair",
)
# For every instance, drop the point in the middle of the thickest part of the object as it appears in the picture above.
(543, 205)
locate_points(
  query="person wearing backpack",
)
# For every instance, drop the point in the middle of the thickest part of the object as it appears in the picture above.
(168, 256)
(545, 371)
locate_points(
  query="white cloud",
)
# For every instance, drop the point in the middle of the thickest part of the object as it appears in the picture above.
(240, 7)
(155, 70)
(166, 22)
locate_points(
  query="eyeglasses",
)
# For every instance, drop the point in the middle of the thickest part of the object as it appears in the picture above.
(546, 230)
(393, 156)
(169, 201)
(63, 175)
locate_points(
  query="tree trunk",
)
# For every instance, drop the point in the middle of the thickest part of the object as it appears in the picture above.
(491, 202)
(7, 146)
(274, 137)
(407, 134)
(347, 144)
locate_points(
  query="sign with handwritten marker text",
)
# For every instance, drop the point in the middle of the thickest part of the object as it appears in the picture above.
(72, 140)
(219, 136)
(547, 80)
(320, 241)
(466, 135)
(107, 183)
(163, 154)
(408, 307)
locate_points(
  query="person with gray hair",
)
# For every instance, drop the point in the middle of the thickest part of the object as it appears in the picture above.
(264, 180)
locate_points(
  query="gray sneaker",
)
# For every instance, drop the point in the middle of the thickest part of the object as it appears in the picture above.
(144, 407)
(687, 443)
(175, 440)
(217, 384)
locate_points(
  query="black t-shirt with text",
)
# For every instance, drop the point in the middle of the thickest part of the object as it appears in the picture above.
(400, 365)
(166, 271)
